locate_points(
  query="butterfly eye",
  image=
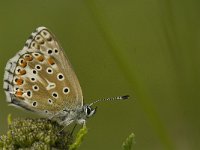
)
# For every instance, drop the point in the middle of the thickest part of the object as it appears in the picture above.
(38, 67)
(49, 70)
(65, 90)
(60, 76)
(88, 110)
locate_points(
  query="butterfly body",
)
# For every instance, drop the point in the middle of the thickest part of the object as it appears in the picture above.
(78, 115)
(40, 78)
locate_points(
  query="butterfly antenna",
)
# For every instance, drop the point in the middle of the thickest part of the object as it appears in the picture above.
(111, 99)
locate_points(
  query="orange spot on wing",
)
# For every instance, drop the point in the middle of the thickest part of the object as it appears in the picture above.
(22, 72)
(40, 58)
(51, 61)
(28, 58)
(23, 64)
(19, 81)
(19, 93)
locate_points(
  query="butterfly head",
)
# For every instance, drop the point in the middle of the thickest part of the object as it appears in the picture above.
(89, 111)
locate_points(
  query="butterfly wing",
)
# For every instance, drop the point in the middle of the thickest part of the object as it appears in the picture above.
(40, 77)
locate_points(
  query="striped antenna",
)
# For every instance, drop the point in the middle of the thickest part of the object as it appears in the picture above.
(111, 99)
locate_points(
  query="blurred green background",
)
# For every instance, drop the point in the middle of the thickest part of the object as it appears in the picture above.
(149, 49)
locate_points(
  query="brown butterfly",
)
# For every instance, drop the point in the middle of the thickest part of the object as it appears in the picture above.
(40, 78)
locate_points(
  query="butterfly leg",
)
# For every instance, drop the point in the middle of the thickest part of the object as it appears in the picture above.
(73, 129)
(66, 122)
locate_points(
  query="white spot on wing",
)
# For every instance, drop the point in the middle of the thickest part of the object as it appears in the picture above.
(66, 90)
(50, 85)
(35, 88)
(49, 70)
(55, 94)
(60, 77)
(38, 67)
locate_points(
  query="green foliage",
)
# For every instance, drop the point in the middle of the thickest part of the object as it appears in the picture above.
(43, 134)
(79, 138)
(9, 119)
(35, 134)
(127, 144)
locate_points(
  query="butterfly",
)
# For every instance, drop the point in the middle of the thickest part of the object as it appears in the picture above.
(40, 78)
